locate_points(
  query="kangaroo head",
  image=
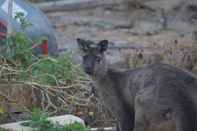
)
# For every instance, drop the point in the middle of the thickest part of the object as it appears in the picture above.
(93, 55)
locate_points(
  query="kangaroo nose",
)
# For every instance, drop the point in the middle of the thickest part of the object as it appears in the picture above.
(88, 70)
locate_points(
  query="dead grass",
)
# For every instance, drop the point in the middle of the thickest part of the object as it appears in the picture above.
(170, 49)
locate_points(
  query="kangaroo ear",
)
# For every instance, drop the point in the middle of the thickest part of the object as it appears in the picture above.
(83, 44)
(103, 45)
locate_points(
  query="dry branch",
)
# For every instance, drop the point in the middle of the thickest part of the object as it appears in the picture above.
(76, 96)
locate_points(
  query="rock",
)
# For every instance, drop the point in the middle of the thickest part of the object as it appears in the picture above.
(163, 4)
(177, 15)
(66, 119)
(104, 129)
(180, 26)
(144, 27)
(62, 120)
(15, 127)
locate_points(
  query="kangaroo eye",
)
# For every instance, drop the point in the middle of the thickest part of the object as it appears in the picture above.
(98, 59)
(84, 57)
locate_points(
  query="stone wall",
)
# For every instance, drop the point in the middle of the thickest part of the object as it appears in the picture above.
(131, 29)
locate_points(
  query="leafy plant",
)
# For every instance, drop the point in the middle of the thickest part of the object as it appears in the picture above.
(49, 70)
(17, 46)
(74, 127)
(45, 70)
(39, 121)
(24, 23)
(1, 129)
(18, 64)
(18, 49)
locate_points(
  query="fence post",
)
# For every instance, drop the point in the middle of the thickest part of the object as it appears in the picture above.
(10, 8)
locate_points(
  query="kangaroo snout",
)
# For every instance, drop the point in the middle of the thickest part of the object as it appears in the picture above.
(88, 70)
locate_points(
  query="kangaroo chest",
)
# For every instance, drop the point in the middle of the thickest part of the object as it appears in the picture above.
(112, 93)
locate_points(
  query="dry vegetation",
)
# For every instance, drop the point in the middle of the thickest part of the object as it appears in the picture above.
(53, 84)
(173, 50)
(66, 96)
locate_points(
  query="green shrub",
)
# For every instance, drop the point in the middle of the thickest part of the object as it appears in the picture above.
(17, 48)
(49, 70)
(1, 129)
(38, 119)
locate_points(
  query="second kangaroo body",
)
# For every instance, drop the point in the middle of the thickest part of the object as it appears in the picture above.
(157, 97)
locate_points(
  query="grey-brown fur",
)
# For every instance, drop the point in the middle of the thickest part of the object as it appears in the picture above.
(158, 97)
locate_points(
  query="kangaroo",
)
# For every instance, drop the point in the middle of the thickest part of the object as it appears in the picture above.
(157, 97)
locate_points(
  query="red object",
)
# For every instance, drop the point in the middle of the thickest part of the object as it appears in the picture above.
(2, 34)
(3, 28)
(45, 47)
(34, 45)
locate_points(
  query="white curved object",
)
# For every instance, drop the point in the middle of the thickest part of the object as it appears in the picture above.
(62, 120)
